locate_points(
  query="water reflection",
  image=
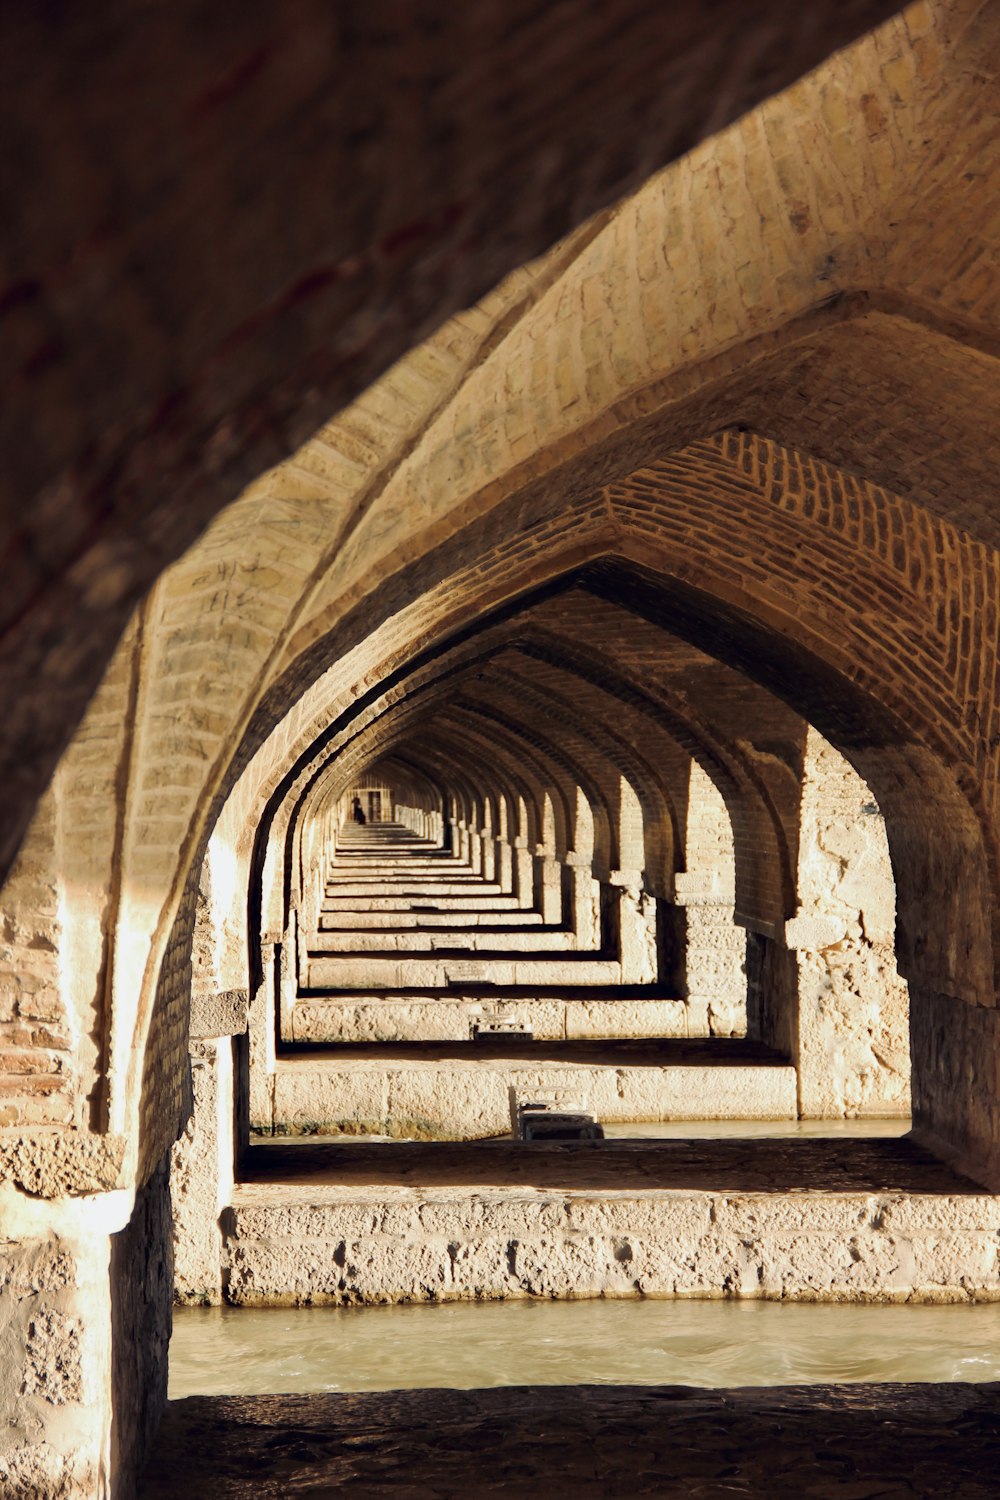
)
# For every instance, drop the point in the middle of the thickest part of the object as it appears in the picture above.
(467, 1345)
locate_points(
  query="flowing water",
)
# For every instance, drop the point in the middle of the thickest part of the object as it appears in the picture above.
(249, 1351)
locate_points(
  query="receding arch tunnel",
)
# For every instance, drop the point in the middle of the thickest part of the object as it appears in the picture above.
(652, 804)
(431, 718)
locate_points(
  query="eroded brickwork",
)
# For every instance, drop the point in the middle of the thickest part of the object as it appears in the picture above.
(36, 1064)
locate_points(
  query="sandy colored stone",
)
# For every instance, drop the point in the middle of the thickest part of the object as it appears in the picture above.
(50, 1164)
(219, 1014)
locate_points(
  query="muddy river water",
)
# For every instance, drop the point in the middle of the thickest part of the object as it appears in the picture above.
(250, 1351)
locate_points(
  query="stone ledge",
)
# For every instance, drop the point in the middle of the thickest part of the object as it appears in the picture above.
(410, 1018)
(467, 1098)
(492, 1245)
(873, 1220)
(61, 1163)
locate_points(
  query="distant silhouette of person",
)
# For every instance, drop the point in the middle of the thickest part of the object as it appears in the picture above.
(358, 812)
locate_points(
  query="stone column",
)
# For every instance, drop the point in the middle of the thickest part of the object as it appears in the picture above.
(585, 901)
(489, 856)
(852, 1036)
(262, 1056)
(504, 873)
(55, 1365)
(203, 1160)
(714, 967)
(635, 913)
(288, 973)
(549, 878)
(85, 1317)
(524, 868)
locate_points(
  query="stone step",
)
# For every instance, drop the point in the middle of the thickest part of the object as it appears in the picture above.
(402, 921)
(550, 1015)
(550, 940)
(419, 901)
(461, 1091)
(390, 869)
(413, 889)
(811, 1220)
(441, 972)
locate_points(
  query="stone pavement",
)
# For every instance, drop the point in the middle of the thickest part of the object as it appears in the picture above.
(861, 1442)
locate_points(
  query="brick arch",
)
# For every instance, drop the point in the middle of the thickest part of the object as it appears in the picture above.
(634, 386)
(660, 820)
(128, 390)
(761, 829)
(817, 671)
(696, 521)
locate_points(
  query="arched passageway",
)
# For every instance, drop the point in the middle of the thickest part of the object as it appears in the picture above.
(654, 594)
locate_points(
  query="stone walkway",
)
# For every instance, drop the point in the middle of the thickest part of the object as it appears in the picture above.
(819, 1220)
(779, 1165)
(439, 992)
(862, 1442)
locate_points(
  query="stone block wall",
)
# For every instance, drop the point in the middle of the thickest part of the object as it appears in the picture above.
(853, 1039)
(85, 1318)
(55, 1342)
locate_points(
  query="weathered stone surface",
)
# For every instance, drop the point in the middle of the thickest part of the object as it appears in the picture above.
(201, 1174)
(54, 1367)
(410, 1018)
(325, 973)
(461, 1092)
(223, 1013)
(866, 1221)
(52, 1163)
(853, 1045)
